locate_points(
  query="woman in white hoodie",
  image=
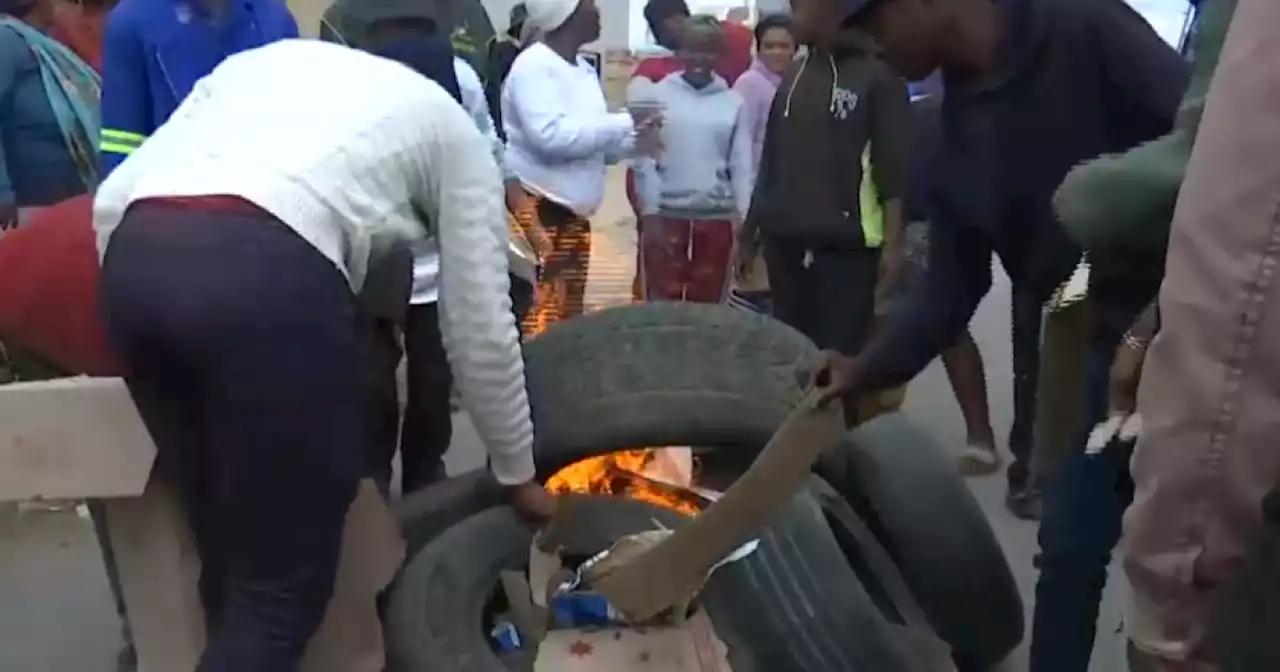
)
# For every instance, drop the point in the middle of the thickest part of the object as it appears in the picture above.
(560, 138)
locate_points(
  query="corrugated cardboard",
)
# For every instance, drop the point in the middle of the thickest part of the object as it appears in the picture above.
(690, 647)
(76, 438)
(673, 571)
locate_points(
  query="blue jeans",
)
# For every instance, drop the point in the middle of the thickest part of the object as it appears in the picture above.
(1083, 505)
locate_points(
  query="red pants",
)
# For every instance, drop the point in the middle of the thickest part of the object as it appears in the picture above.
(686, 259)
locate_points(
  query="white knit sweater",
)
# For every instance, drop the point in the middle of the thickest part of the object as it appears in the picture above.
(347, 149)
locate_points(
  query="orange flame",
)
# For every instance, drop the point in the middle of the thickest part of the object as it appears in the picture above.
(629, 473)
(626, 474)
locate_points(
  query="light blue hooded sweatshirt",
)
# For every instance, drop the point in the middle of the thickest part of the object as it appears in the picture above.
(706, 168)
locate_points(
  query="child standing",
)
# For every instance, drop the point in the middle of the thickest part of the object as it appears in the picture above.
(694, 195)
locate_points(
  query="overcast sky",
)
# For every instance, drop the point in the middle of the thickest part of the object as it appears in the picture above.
(1166, 16)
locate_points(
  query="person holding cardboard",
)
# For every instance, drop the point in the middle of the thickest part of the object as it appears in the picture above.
(233, 247)
(1034, 88)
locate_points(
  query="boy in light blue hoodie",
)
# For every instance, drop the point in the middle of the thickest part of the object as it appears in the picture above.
(694, 196)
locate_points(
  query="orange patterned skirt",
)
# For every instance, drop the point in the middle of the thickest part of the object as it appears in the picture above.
(562, 240)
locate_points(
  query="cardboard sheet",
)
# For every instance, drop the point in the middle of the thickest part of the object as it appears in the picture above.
(690, 647)
(671, 572)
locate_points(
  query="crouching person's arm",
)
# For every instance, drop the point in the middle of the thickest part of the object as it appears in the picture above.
(463, 197)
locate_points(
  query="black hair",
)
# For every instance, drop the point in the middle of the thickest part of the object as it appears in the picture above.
(769, 22)
(657, 11)
(515, 23)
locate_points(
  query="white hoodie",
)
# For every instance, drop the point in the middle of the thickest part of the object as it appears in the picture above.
(351, 173)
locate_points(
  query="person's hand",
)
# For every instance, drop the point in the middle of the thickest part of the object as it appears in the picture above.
(832, 376)
(532, 502)
(540, 240)
(515, 195)
(649, 136)
(8, 217)
(1126, 374)
(1123, 422)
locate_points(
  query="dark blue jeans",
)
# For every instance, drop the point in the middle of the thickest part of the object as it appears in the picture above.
(241, 353)
(1083, 505)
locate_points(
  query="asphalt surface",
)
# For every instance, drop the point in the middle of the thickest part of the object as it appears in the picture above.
(56, 614)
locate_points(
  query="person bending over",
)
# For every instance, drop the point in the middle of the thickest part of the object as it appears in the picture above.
(249, 376)
(1034, 88)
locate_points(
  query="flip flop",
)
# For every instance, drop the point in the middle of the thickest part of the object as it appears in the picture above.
(978, 461)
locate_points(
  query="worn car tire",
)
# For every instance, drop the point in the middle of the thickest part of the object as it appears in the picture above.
(425, 513)
(907, 489)
(796, 605)
(871, 561)
(793, 606)
(638, 376)
(660, 374)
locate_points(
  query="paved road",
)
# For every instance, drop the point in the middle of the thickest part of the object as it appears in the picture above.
(55, 614)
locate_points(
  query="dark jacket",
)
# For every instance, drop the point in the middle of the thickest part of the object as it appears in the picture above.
(1075, 79)
(926, 141)
(827, 109)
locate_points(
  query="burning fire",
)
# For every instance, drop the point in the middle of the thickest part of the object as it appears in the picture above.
(659, 476)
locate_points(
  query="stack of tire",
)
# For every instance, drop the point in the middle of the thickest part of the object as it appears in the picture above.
(884, 552)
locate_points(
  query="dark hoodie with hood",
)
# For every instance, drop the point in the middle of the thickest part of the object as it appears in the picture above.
(1073, 80)
(831, 107)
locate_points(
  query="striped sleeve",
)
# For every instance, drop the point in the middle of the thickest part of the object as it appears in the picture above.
(126, 97)
(120, 142)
